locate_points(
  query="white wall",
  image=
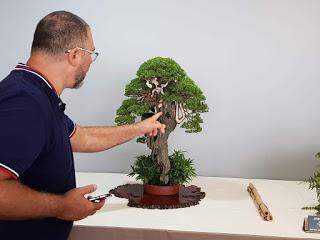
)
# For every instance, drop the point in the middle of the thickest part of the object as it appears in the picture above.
(258, 63)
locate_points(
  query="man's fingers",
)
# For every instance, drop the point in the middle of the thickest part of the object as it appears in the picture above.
(157, 115)
(93, 213)
(87, 189)
(161, 127)
(154, 132)
(99, 204)
(156, 125)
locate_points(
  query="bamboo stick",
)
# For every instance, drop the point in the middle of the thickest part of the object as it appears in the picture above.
(262, 208)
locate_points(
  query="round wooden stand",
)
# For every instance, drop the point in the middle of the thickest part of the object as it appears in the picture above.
(188, 196)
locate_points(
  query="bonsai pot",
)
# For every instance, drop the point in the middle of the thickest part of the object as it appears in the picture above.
(161, 190)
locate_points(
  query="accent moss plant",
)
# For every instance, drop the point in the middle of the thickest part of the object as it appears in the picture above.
(161, 85)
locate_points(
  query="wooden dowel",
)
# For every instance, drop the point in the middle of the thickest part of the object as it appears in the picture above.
(262, 208)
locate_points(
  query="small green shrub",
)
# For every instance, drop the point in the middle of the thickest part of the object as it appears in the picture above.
(314, 183)
(148, 171)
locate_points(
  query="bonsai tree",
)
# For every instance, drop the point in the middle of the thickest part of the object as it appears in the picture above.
(161, 85)
(314, 183)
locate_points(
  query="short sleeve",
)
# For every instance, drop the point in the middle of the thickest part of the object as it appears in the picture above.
(71, 126)
(22, 134)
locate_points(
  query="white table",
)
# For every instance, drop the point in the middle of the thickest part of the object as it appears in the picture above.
(227, 212)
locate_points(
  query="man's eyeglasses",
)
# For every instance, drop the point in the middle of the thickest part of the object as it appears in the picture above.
(93, 54)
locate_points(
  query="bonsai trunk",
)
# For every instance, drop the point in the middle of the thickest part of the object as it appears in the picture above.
(159, 143)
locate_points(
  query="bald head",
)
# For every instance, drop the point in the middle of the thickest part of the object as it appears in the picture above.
(58, 32)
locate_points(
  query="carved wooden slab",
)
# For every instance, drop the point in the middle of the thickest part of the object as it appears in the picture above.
(188, 196)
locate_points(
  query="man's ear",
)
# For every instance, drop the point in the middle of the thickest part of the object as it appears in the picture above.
(74, 57)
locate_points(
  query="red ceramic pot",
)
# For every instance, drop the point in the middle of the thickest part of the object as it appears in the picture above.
(161, 190)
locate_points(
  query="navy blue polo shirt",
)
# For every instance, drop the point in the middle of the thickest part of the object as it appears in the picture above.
(35, 147)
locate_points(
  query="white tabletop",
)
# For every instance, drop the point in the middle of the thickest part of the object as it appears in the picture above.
(227, 208)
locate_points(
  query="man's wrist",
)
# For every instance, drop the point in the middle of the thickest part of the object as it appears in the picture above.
(137, 129)
(57, 204)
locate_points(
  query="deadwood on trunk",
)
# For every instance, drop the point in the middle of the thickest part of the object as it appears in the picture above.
(159, 143)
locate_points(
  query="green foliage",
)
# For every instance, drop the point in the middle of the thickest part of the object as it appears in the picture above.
(182, 169)
(193, 124)
(142, 139)
(125, 119)
(187, 88)
(146, 169)
(123, 110)
(181, 89)
(129, 110)
(314, 183)
(193, 98)
(188, 93)
(136, 87)
(317, 208)
(165, 68)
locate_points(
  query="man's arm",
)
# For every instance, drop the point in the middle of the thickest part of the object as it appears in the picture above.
(95, 139)
(19, 202)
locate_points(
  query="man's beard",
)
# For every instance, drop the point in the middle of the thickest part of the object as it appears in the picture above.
(79, 79)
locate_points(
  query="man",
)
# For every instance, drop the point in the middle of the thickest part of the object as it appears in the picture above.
(38, 198)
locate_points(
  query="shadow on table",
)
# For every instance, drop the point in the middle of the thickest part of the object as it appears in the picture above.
(223, 190)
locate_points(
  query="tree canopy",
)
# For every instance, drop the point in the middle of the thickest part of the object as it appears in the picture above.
(162, 80)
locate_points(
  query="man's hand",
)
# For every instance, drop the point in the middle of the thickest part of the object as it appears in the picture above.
(95, 139)
(75, 206)
(151, 125)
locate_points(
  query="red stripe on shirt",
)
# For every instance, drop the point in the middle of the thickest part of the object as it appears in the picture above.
(74, 131)
(9, 173)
